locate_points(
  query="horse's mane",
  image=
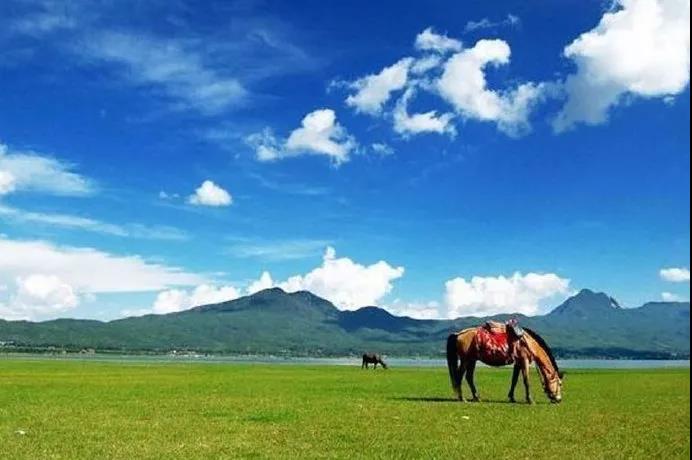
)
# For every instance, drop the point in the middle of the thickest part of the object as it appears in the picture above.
(543, 345)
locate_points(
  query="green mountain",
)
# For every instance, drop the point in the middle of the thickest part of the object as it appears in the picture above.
(275, 322)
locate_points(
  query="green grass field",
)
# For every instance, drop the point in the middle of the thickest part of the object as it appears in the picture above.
(75, 409)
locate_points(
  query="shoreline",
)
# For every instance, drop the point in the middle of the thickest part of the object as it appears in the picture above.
(579, 363)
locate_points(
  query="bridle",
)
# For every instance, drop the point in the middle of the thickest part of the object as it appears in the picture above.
(547, 383)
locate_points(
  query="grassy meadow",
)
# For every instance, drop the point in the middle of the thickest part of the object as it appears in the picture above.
(87, 409)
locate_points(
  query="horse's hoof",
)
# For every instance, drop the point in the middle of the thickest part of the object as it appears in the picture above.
(530, 402)
(462, 399)
(512, 400)
(476, 399)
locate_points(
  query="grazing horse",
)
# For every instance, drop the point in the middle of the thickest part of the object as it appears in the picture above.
(372, 358)
(498, 344)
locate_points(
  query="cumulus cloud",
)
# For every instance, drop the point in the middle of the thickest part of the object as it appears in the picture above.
(373, 91)
(267, 146)
(417, 310)
(417, 123)
(39, 296)
(463, 84)
(210, 194)
(675, 275)
(426, 63)
(519, 293)
(459, 79)
(35, 172)
(174, 300)
(319, 134)
(347, 284)
(265, 281)
(88, 269)
(7, 182)
(670, 297)
(640, 48)
(429, 40)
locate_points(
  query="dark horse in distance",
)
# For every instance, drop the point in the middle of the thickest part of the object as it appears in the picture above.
(372, 358)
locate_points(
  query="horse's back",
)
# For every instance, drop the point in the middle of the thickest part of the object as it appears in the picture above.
(465, 339)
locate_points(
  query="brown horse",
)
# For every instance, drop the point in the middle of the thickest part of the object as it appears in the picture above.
(498, 345)
(372, 358)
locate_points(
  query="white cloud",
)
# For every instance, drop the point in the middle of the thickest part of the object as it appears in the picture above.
(373, 91)
(382, 149)
(347, 284)
(319, 134)
(426, 63)
(277, 250)
(463, 84)
(39, 296)
(210, 194)
(7, 182)
(267, 146)
(460, 80)
(129, 312)
(91, 225)
(675, 275)
(265, 281)
(428, 40)
(417, 310)
(670, 297)
(482, 296)
(509, 21)
(32, 171)
(427, 122)
(640, 47)
(174, 66)
(87, 269)
(174, 300)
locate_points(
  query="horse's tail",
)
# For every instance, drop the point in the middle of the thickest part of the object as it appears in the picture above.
(453, 362)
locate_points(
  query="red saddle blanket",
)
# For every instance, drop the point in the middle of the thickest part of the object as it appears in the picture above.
(493, 346)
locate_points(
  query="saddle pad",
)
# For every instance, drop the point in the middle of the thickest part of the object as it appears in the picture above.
(493, 347)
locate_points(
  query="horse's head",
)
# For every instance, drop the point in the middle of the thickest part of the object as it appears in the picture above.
(383, 364)
(553, 387)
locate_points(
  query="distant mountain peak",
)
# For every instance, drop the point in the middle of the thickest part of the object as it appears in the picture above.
(587, 303)
(269, 291)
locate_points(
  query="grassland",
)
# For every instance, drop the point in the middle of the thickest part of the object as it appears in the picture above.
(74, 410)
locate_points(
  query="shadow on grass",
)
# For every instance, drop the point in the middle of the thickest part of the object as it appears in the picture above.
(449, 400)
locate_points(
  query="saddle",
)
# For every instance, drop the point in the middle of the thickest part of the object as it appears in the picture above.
(510, 327)
(495, 342)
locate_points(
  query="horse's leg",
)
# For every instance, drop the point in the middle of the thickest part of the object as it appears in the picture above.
(470, 369)
(375, 365)
(362, 366)
(525, 371)
(515, 378)
(462, 371)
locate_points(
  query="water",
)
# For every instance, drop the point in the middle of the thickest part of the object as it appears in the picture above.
(349, 361)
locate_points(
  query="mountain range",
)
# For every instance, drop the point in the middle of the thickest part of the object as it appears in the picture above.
(272, 321)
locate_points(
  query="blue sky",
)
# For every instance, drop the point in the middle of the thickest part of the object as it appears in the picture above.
(458, 158)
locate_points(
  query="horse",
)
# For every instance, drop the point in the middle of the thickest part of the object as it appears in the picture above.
(497, 344)
(372, 358)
